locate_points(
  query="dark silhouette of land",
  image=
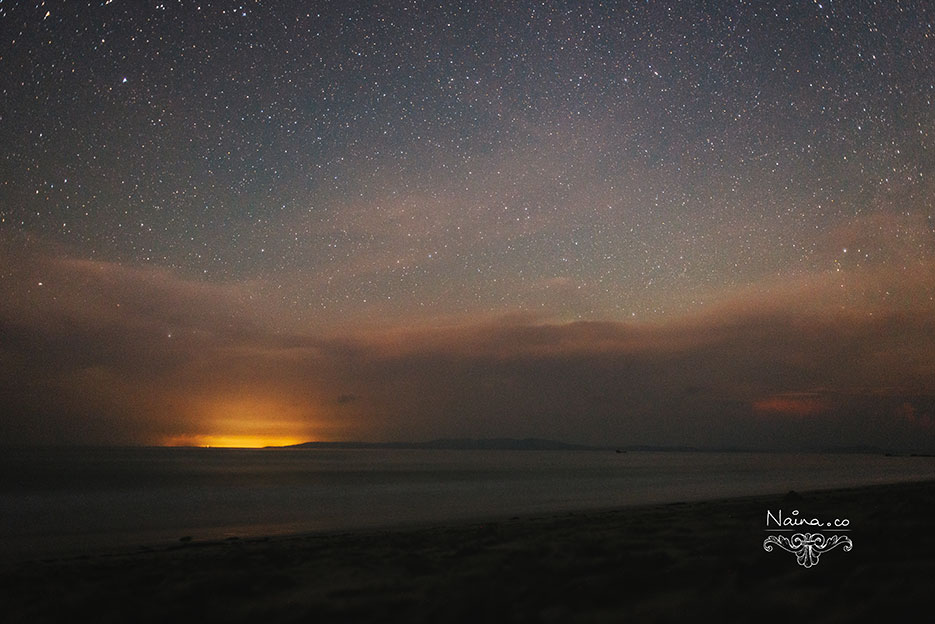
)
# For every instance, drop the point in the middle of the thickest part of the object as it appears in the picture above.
(470, 444)
(539, 444)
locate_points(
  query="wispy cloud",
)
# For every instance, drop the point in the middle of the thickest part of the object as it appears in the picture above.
(99, 352)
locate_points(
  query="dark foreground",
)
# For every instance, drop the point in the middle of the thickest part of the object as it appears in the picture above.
(695, 561)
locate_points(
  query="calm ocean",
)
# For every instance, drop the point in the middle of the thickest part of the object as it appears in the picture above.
(67, 501)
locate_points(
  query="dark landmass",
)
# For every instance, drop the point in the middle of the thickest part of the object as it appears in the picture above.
(538, 444)
(468, 444)
(647, 448)
(862, 449)
(702, 561)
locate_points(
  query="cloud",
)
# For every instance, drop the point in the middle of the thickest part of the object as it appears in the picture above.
(792, 404)
(104, 353)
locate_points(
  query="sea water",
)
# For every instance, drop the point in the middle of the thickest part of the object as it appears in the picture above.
(67, 501)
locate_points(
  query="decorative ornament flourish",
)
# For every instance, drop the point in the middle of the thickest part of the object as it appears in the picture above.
(807, 547)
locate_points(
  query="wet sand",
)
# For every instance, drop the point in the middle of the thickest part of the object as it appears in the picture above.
(699, 561)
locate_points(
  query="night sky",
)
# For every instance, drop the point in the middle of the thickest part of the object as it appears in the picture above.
(696, 223)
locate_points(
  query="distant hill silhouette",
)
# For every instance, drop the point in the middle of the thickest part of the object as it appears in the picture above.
(539, 444)
(468, 444)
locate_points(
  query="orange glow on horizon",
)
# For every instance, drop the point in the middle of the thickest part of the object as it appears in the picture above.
(232, 441)
(245, 422)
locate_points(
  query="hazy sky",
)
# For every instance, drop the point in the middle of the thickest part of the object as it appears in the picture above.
(705, 223)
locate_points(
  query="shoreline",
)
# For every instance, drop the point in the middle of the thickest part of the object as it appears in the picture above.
(55, 505)
(647, 562)
(210, 536)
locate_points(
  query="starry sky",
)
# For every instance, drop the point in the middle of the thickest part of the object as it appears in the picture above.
(700, 223)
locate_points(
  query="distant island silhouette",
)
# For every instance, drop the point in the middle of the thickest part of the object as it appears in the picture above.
(468, 444)
(540, 444)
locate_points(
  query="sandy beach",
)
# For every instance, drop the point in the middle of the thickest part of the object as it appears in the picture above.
(675, 562)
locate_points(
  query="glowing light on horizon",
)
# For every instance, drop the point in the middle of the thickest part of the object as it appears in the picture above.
(232, 441)
(246, 422)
